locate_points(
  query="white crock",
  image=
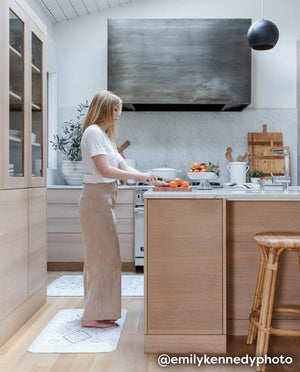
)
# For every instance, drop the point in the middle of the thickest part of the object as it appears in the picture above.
(238, 171)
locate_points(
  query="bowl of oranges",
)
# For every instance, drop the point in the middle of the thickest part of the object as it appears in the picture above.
(204, 172)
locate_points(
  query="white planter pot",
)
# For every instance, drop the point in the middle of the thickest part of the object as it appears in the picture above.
(72, 172)
(255, 180)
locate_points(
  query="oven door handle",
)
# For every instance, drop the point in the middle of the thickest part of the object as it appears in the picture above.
(139, 210)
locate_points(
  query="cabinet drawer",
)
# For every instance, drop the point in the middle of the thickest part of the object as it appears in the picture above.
(69, 248)
(72, 225)
(71, 211)
(69, 196)
(125, 196)
(58, 196)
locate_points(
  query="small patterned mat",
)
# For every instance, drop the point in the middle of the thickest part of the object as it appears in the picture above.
(64, 334)
(72, 286)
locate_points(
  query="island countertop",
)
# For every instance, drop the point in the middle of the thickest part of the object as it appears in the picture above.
(293, 193)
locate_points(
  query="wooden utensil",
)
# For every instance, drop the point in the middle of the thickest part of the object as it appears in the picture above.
(228, 154)
(123, 147)
(242, 158)
(245, 156)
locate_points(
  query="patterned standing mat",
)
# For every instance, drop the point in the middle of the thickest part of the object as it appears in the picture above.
(64, 334)
(72, 286)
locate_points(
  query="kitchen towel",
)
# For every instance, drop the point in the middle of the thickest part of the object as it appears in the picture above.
(72, 286)
(64, 334)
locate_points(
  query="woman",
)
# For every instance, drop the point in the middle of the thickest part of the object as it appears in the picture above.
(102, 166)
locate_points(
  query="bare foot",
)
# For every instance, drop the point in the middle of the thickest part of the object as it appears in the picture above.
(98, 323)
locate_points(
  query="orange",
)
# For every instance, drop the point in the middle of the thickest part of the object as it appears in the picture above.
(185, 184)
(191, 170)
(203, 170)
(196, 165)
(173, 184)
(178, 180)
(196, 170)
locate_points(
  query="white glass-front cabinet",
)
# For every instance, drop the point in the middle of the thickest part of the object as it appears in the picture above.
(22, 100)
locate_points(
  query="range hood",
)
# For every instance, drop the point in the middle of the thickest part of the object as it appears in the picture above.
(180, 64)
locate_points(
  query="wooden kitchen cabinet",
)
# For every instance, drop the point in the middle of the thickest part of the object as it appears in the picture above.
(244, 219)
(65, 247)
(37, 262)
(184, 276)
(22, 165)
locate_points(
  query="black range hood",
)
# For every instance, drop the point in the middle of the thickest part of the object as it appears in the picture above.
(181, 107)
(180, 64)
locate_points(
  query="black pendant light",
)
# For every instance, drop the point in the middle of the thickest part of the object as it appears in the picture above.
(263, 34)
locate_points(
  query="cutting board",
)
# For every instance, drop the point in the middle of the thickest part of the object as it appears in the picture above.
(166, 188)
(260, 149)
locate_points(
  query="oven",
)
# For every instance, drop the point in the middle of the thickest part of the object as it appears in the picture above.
(139, 224)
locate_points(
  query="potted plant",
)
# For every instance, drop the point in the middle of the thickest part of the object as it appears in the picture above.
(255, 176)
(69, 145)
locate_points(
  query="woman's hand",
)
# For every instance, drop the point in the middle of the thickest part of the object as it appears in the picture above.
(149, 178)
(161, 183)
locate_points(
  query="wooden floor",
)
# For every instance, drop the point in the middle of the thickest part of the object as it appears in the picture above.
(129, 356)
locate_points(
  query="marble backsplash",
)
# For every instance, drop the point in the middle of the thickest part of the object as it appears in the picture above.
(177, 139)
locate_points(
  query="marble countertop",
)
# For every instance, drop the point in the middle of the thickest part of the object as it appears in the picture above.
(121, 187)
(225, 193)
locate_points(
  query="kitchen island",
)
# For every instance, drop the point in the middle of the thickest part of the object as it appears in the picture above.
(201, 265)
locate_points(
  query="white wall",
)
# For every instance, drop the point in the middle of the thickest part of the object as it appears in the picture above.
(82, 71)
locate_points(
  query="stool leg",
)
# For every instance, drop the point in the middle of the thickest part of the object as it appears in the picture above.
(271, 303)
(265, 316)
(252, 330)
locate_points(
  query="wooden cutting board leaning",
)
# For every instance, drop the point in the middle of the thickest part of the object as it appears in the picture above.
(166, 188)
(261, 156)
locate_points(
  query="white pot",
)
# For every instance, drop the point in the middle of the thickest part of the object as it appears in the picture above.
(238, 171)
(166, 173)
(72, 172)
(255, 180)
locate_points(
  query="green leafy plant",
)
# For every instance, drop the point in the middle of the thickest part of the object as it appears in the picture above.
(256, 174)
(69, 143)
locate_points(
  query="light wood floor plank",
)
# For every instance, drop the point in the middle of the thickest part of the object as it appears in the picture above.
(129, 357)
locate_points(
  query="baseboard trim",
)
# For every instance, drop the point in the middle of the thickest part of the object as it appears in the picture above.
(78, 266)
(14, 320)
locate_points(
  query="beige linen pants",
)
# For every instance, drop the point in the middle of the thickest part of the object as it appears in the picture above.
(102, 265)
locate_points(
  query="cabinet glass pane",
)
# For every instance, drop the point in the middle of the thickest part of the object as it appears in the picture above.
(16, 96)
(37, 109)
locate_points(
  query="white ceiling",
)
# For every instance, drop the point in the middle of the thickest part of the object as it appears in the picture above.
(62, 10)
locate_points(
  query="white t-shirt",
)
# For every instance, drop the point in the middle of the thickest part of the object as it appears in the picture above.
(95, 141)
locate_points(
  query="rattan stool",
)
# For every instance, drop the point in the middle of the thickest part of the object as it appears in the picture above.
(271, 245)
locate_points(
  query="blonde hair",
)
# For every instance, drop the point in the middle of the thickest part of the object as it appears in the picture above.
(101, 112)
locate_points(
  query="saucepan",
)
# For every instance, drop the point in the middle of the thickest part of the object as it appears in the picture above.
(167, 174)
